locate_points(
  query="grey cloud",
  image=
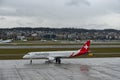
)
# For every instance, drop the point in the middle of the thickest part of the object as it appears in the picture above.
(2, 18)
(24, 8)
(78, 2)
(58, 12)
(19, 22)
(1, 1)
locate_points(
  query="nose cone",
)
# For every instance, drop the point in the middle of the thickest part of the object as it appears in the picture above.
(26, 56)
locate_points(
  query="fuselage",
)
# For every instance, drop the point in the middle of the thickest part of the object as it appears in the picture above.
(49, 54)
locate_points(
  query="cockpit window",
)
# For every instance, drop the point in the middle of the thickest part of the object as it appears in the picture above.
(28, 54)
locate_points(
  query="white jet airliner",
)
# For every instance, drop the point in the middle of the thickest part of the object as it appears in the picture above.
(57, 55)
(6, 41)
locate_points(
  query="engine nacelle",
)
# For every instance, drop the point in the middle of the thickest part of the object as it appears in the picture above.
(51, 58)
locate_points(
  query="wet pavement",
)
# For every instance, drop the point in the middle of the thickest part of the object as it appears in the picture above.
(69, 69)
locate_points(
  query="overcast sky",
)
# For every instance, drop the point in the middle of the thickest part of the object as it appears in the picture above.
(89, 14)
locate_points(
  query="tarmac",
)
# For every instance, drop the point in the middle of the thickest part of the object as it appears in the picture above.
(69, 69)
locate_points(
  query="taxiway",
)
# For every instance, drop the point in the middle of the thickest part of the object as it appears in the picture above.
(70, 69)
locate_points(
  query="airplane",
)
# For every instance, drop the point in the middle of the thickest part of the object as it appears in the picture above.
(57, 55)
(6, 41)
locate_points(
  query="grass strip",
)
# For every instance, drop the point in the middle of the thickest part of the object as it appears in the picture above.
(98, 52)
(24, 51)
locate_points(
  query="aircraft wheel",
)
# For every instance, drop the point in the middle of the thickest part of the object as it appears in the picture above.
(58, 60)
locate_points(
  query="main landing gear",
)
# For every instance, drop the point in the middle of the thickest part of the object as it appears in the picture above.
(58, 60)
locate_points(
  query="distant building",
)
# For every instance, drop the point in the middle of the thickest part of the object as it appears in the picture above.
(21, 37)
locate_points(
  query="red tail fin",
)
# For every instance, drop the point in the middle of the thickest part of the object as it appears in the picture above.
(85, 47)
(83, 50)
